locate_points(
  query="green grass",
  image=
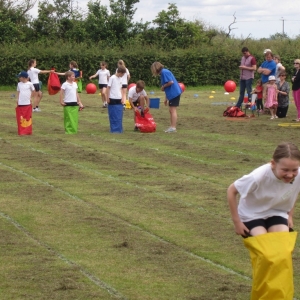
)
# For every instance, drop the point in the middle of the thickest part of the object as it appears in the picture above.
(129, 216)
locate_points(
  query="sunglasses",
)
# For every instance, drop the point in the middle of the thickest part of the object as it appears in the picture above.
(296, 63)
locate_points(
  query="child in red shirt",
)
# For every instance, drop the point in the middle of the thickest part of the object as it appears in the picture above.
(258, 90)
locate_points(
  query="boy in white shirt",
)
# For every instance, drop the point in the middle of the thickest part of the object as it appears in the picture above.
(69, 99)
(138, 97)
(115, 101)
(25, 91)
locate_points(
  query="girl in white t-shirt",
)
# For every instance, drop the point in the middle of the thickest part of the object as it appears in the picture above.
(104, 75)
(125, 80)
(33, 73)
(267, 195)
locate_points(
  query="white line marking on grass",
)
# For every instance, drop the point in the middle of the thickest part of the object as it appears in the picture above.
(219, 266)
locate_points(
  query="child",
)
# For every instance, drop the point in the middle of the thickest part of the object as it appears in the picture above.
(138, 97)
(78, 74)
(70, 100)
(25, 91)
(267, 199)
(271, 96)
(115, 101)
(104, 75)
(33, 74)
(172, 90)
(258, 90)
(125, 79)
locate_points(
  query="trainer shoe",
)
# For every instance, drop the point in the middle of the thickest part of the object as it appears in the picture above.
(170, 130)
(38, 109)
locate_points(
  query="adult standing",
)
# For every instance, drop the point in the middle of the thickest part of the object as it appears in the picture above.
(283, 88)
(247, 68)
(296, 87)
(267, 68)
(170, 86)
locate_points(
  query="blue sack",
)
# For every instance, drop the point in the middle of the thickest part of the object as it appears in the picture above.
(115, 114)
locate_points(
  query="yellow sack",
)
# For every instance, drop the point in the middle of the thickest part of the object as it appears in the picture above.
(272, 266)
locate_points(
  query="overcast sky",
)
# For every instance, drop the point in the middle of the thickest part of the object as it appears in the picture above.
(257, 17)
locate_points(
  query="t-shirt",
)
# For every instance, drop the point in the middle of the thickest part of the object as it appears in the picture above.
(259, 90)
(70, 90)
(174, 89)
(25, 89)
(103, 75)
(132, 94)
(248, 62)
(33, 74)
(270, 65)
(115, 84)
(263, 195)
(125, 76)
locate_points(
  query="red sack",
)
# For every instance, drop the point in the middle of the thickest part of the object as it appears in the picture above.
(233, 111)
(53, 84)
(145, 124)
(24, 119)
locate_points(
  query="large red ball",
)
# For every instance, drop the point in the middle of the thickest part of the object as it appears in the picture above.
(91, 88)
(229, 86)
(131, 85)
(182, 86)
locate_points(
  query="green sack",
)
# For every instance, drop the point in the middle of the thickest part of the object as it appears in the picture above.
(71, 119)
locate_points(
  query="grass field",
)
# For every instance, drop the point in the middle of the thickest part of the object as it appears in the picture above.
(129, 216)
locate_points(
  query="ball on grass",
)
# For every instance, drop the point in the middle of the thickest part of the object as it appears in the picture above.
(91, 88)
(230, 86)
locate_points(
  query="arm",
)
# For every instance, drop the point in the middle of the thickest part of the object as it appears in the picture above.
(167, 85)
(290, 219)
(93, 76)
(78, 100)
(131, 104)
(61, 74)
(108, 94)
(61, 97)
(46, 71)
(239, 226)
(252, 68)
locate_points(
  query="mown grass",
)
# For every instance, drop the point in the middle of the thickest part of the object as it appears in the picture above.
(128, 216)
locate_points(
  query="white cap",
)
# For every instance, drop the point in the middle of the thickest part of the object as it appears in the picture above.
(267, 50)
(272, 78)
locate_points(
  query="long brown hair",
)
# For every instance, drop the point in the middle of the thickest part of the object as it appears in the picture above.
(286, 150)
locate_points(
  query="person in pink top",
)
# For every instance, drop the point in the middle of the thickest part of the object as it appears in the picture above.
(247, 68)
(271, 97)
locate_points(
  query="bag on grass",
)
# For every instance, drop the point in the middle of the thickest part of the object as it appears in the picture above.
(272, 268)
(233, 111)
(145, 124)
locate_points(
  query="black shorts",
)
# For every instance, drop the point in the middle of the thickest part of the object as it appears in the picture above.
(266, 223)
(124, 86)
(101, 86)
(36, 86)
(174, 101)
(135, 103)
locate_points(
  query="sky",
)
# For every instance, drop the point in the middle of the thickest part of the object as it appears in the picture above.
(255, 18)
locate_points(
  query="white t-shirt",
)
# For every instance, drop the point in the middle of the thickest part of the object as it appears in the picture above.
(70, 90)
(279, 65)
(263, 195)
(125, 77)
(132, 94)
(25, 89)
(33, 74)
(103, 76)
(115, 84)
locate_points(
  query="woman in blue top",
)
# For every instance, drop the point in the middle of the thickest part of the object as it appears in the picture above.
(172, 90)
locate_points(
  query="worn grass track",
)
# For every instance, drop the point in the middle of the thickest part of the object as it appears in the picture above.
(130, 216)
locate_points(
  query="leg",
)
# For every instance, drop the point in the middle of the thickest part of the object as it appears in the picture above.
(277, 224)
(242, 93)
(256, 227)
(296, 95)
(249, 88)
(173, 116)
(124, 91)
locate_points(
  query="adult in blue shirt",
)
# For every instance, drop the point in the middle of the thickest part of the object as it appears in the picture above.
(170, 86)
(267, 68)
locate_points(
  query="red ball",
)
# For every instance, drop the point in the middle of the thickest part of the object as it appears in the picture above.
(91, 88)
(229, 86)
(131, 85)
(182, 86)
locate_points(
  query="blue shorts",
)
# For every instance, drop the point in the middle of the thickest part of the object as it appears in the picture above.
(175, 101)
(36, 86)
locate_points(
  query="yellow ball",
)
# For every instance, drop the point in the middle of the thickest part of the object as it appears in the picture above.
(211, 97)
(232, 98)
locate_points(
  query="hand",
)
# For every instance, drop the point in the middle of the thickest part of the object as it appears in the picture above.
(290, 222)
(166, 102)
(162, 88)
(241, 229)
(63, 103)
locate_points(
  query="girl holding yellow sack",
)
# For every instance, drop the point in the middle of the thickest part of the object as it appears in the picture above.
(264, 215)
